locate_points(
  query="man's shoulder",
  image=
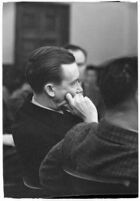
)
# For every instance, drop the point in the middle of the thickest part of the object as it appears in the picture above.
(30, 113)
(27, 120)
(79, 134)
(82, 129)
(24, 116)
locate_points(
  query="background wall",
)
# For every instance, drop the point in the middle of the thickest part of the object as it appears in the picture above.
(105, 29)
(8, 32)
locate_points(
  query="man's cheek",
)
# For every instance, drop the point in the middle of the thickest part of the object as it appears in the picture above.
(72, 92)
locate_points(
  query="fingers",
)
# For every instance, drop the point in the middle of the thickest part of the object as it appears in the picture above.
(89, 101)
(70, 99)
(77, 99)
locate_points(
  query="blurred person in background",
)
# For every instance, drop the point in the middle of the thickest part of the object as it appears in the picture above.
(14, 95)
(15, 92)
(7, 116)
(91, 87)
(80, 57)
(19, 97)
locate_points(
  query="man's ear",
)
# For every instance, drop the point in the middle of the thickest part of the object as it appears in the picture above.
(49, 89)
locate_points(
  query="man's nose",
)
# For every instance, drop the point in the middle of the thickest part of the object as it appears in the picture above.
(79, 88)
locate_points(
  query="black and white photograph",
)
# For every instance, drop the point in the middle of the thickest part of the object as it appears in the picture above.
(70, 99)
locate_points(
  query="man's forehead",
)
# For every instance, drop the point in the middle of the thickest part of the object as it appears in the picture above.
(70, 70)
(69, 67)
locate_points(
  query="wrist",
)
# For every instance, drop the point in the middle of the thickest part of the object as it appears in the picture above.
(91, 119)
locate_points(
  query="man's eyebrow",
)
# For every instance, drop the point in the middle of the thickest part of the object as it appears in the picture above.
(75, 80)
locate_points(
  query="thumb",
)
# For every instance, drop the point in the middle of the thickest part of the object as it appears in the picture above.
(70, 99)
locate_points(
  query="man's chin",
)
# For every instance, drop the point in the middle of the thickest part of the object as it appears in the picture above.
(64, 107)
(61, 105)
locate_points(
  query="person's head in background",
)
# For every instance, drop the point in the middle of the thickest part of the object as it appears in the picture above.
(80, 56)
(119, 87)
(91, 74)
(52, 72)
(13, 79)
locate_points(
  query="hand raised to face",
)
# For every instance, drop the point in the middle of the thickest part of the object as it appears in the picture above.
(82, 107)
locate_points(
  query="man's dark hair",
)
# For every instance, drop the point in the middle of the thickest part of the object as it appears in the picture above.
(44, 66)
(75, 48)
(119, 80)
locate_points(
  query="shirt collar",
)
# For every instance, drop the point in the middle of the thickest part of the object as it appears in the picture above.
(47, 108)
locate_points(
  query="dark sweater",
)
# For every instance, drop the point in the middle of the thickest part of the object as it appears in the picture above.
(101, 159)
(35, 132)
(105, 152)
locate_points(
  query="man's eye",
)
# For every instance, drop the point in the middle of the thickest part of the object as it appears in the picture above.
(75, 82)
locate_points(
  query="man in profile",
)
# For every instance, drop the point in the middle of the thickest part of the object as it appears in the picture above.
(52, 73)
